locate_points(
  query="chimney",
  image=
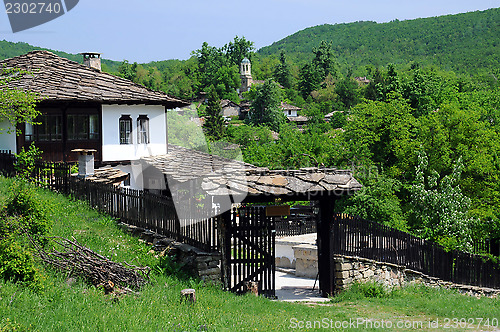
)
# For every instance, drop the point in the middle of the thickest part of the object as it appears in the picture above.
(92, 60)
(85, 162)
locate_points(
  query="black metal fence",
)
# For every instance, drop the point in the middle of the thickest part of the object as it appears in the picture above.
(134, 207)
(354, 236)
(302, 220)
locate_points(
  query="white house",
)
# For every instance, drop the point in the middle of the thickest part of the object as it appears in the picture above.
(84, 108)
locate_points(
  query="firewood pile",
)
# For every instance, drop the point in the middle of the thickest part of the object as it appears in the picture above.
(97, 269)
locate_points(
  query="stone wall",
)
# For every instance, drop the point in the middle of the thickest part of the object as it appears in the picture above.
(350, 269)
(306, 260)
(299, 253)
(194, 261)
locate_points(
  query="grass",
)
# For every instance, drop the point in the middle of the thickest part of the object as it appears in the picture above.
(82, 307)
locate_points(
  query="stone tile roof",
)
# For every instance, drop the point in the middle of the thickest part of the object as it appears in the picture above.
(288, 107)
(298, 118)
(107, 175)
(184, 164)
(220, 176)
(60, 79)
(329, 115)
(228, 103)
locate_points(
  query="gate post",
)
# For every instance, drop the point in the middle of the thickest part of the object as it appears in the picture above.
(326, 263)
(225, 248)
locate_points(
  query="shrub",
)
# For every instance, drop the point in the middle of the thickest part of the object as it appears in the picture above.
(17, 263)
(26, 161)
(22, 213)
(31, 213)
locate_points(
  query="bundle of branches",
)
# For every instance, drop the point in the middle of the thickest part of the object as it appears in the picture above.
(97, 269)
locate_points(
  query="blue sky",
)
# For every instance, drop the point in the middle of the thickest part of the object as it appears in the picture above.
(151, 30)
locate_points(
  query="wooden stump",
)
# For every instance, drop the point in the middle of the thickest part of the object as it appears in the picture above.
(252, 287)
(188, 295)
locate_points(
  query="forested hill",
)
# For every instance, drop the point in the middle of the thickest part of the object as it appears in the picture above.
(463, 42)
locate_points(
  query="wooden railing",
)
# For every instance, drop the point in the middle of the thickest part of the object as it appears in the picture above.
(134, 207)
(302, 220)
(358, 237)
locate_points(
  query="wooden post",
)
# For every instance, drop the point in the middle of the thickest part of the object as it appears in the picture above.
(225, 248)
(326, 263)
(188, 295)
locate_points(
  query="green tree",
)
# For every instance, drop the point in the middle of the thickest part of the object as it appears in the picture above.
(393, 85)
(238, 49)
(155, 79)
(347, 93)
(210, 59)
(439, 209)
(226, 80)
(127, 70)
(381, 133)
(375, 89)
(266, 100)
(324, 60)
(309, 80)
(185, 132)
(377, 201)
(16, 106)
(282, 72)
(215, 69)
(214, 122)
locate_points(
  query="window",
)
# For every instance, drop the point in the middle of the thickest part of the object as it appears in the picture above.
(143, 129)
(126, 182)
(93, 126)
(28, 133)
(50, 128)
(125, 129)
(83, 127)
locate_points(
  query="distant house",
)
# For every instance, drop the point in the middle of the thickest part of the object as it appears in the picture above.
(329, 116)
(292, 115)
(230, 109)
(362, 80)
(84, 108)
(290, 110)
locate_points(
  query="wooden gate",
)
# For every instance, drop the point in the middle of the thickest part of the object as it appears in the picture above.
(249, 251)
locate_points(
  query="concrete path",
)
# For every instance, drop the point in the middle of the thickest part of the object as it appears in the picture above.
(291, 288)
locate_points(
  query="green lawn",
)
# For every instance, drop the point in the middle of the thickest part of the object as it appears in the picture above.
(81, 307)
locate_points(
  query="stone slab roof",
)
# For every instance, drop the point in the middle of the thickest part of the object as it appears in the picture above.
(107, 175)
(288, 107)
(221, 177)
(59, 79)
(184, 164)
(228, 103)
(298, 118)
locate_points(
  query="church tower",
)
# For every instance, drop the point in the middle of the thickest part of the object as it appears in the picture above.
(246, 75)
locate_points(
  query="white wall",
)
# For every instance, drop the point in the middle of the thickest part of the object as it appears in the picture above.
(7, 140)
(135, 171)
(112, 150)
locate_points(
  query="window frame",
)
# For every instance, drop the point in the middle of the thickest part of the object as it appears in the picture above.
(143, 136)
(84, 126)
(46, 124)
(125, 134)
